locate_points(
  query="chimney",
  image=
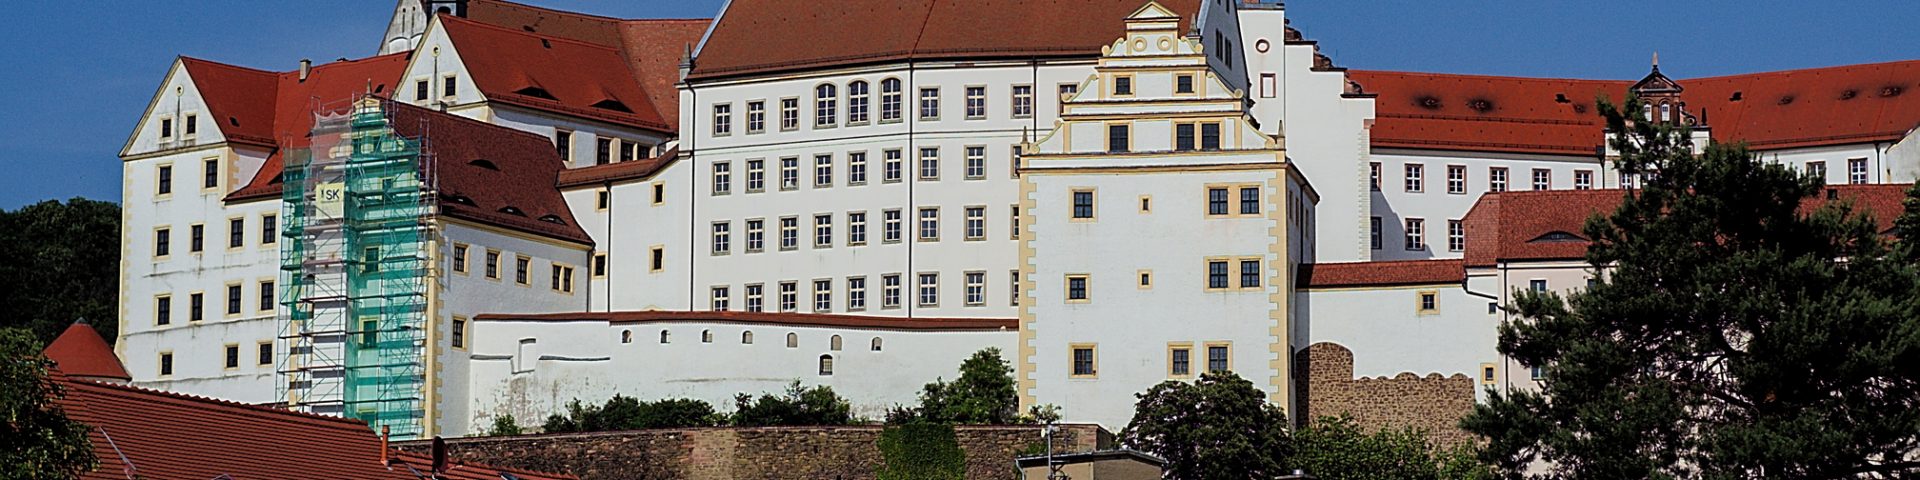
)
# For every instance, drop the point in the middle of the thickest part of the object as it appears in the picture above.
(439, 454)
(306, 67)
(385, 435)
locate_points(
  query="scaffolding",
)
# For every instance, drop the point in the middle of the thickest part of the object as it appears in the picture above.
(356, 269)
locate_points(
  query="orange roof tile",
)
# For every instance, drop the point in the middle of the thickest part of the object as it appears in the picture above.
(615, 172)
(769, 318)
(486, 173)
(1378, 274)
(275, 109)
(556, 74)
(652, 47)
(81, 352)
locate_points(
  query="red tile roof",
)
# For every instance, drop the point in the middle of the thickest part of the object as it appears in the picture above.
(556, 74)
(770, 318)
(1785, 109)
(652, 47)
(80, 352)
(155, 434)
(275, 109)
(1549, 225)
(485, 170)
(615, 172)
(1379, 274)
(766, 36)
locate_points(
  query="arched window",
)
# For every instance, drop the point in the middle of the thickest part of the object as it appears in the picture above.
(876, 344)
(834, 343)
(857, 102)
(626, 336)
(1666, 112)
(890, 100)
(793, 340)
(706, 336)
(826, 365)
(1649, 113)
(826, 105)
(746, 337)
(663, 336)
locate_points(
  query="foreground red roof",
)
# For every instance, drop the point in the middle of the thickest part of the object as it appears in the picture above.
(766, 36)
(770, 318)
(1380, 274)
(80, 352)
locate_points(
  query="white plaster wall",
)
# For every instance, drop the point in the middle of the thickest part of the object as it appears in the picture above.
(468, 294)
(177, 98)
(1903, 157)
(1388, 334)
(1881, 167)
(1503, 281)
(1394, 204)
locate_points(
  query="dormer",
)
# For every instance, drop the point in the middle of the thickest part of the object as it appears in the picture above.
(1661, 98)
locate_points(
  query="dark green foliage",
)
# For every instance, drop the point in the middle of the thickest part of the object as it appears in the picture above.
(1220, 426)
(1732, 336)
(62, 264)
(40, 441)
(1337, 449)
(626, 413)
(921, 451)
(503, 425)
(798, 406)
(984, 394)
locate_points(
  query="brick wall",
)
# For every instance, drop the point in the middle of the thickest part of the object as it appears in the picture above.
(808, 453)
(1432, 403)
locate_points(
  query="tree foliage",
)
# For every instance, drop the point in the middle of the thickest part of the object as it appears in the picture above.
(983, 394)
(921, 451)
(62, 264)
(1220, 426)
(1336, 448)
(41, 442)
(1733, 333)
(627, 413)
(799, 405)
(504, 425)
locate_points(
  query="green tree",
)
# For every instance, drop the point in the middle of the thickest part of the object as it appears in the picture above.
(1336, 448)
(504, 425)
(816, 405)
(984, 394)
(63, 263)
(627, 413)
(41, 442)
(1220, 426)
(1733, 333)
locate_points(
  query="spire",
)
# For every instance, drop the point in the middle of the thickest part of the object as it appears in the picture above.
(1656, 60)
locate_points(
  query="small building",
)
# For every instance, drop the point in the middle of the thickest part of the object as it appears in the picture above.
(1119, 464)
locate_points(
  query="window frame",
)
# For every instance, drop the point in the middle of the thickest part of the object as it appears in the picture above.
(1073, 360)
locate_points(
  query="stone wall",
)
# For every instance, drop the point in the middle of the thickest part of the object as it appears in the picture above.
(808, 453)
(1432, 403)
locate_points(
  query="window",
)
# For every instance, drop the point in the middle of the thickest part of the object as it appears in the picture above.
(1013, 287)
(1486, 369)
(666, 337)
(602, 151)
(1818, 170)
(659, 193)
(822, 296)
(890, 100)
(193, 124)
(976, 103)
(626, 336)
(876, 344)
(166, 128)
(929, 103)
(706, 336)
(857, 103)
(1268, 84)
(789, 233)
(976, 163)
(1183, 84)
(890, 291)
(269, 229)
(722, 178)
(789, 173)
(789, 114)
(163, 310)
(930, 163)
(520, 265)
(563, 144)
(236, 232)
(826, 365)
(1539, 373)
(856, 294)
(976, 223)
(1217, 360)
(890, 233)
(196, 306)
(756, 176)
(722, 119)
(1122, 85)
(754, 299)
(1249, 200)
(166, 364)
(1117, 140)
(856, 168)
(1209, 136)
(976, 288)
(449, 86)
(746, 337)
(756, 235)
(1416, 234)
(263, 300)
(793, 340)
(599, 264)
(420, 89)
(1456, 179)
(197, 239)
(929, 224)
(1456, 236)
(891, 171)
(822, 230)
(1183, 137)
(1497, 179)
(1083, 204)
(1013, 217)
(459, 334)
(929, 289)
(1428, 302)
(1217, 201)
(1542, 179)
(1076, 288)
(756, 116)
(1179, 361)
(1084, 361)
(1415, 181)
(657, 259)
(1249, 274)
(265, 354)
(826, 105)
(1537, 285)
(789, 296)
(493, 264)
(1375, 231)
(210, 173)
(1022, 101)
(1582, 179)
(1857, 171)
(1067, 91)
(1374, 175)
(722, 238)
(163, 185)
(603, 199)
(1145, 279)
(1217, 274)
(856, 228)
(822, 171)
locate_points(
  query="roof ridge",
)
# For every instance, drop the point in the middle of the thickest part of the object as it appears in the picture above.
(461, 118)
(555, 11)
(1488, 76)
(1800, 70)
(539, 35)
(216, 63)
(304, 417)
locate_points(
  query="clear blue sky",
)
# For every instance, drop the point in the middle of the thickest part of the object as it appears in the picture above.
(79, 73)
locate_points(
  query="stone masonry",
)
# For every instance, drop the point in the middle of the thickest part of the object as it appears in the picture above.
(1433, 403)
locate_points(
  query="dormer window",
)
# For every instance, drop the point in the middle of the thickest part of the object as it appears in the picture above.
(535, 92)
(611, 104)
(484, 163)
(553, 219)
(512, 210)
(1557, 236)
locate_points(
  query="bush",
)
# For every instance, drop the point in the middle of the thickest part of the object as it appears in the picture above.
(797, 406)
(627, 413)
(921, 451)
(983, 394)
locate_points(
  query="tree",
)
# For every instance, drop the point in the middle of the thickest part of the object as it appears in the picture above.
(984, 394)
(41, 441)
(816, 405)
(504, 425)
(1732, 335)
(63, 263)
(1220, 426)
(1336, 448)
